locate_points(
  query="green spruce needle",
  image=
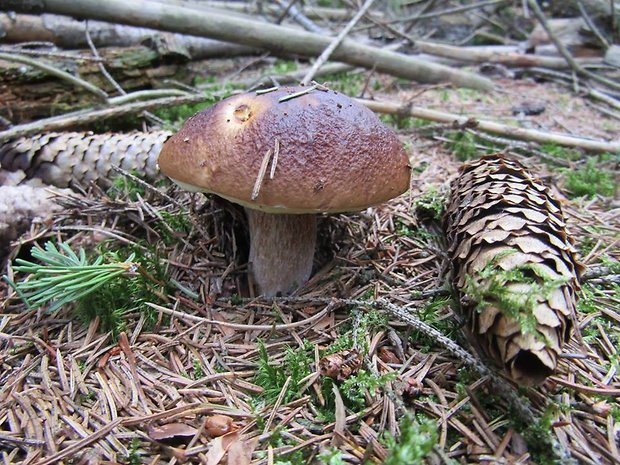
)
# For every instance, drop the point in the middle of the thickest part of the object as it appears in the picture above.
(62, 276)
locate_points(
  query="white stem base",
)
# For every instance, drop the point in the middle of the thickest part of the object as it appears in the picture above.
(281, 251)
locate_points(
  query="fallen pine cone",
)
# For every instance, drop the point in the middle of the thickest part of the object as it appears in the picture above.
(62, 158)
(514, 265)
(341, 365)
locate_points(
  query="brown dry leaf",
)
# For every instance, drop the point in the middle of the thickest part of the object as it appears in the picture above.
(219, 447)
(240, 452)
(387, 356)
(171, 432)
(341, 365)
(219, 425)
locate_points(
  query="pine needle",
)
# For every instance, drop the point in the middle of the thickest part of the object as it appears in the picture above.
(62, 276)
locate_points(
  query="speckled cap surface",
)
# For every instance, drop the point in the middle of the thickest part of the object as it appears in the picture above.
(334, 155)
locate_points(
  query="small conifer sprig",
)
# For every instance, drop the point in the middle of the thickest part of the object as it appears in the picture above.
(63, 276)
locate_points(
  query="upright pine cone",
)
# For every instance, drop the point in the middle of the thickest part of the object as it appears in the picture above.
(514, 266)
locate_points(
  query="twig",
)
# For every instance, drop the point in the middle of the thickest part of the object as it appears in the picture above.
(297, 94)
(45, 53)
(101, 66)
(261, 174)
(532, 135)
(266, 91)
(245, 327)
(564, 51)
(55, 72)
(277, 404)
(586, 17)
(450, 11)
(89, 116)
(272, 37)
(148, 186)
(146, 94)
(298, 16)
(506, 55)
(335, 43)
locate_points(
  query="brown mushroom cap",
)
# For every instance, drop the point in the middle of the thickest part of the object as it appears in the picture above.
(335, 155)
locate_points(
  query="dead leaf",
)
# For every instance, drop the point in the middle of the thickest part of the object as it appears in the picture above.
(387, 356)
(219, 446)
(171, 432)
(240, 452)
(218, 425)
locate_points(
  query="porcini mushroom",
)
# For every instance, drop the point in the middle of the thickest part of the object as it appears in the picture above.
(285, 156)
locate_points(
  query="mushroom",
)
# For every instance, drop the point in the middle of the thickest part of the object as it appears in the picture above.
(286, 155)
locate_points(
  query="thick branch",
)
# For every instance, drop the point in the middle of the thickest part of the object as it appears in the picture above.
(278, 39)
(532, 135)
(69, 33)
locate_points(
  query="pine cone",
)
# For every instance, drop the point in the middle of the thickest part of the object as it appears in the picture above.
(60, 159)
(514, 265)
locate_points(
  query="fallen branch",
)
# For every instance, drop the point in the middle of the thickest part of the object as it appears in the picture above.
(564, 51)
(27, 93)
(531, 135)
(70, 33)
(313, 12)
(52, 70)
(278, 39)
(508, 55)
(335, 43)
(80, 118)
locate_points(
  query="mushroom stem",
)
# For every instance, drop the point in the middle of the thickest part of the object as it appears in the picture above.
(281, 250)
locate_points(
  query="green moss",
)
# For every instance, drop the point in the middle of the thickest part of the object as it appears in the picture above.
(404, 122)
(284, 67)
(133, 453)
(463, 144)
(355, 387)
(178, 224)
(353, 335)
(348, 83)
(177, 115)
(331, 456)
(538, 436)
(491, 287)
(272, 378)
(561, 152)
(124, 187)
(430, 313)
(589, 180)
(431, 203)
(415, 442)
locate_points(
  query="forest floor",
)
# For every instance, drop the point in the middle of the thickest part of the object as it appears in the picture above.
(145, 380)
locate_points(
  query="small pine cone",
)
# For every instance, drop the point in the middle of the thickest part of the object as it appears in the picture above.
(514, 266)
(60, 159)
